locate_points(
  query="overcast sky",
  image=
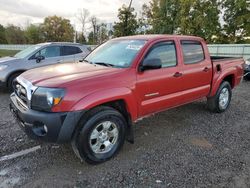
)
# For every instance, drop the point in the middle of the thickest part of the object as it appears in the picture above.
(22, 12)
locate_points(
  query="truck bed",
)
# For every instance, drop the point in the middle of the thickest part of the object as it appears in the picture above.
(223, 58)
(223, 66)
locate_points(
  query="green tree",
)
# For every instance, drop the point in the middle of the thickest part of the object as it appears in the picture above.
(57, 29)
(145, 19)
(14, 35)
(160, 16)
(2, 35)
(164, 16)
(237, 20)
(33, 34)
(200, 18)
(91, 38)
(127, 24)
(191, 17)
(102, 33)
(99, 32)
(80, 38)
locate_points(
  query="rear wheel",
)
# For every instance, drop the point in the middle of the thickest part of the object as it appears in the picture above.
(100, 135)
(221, 101)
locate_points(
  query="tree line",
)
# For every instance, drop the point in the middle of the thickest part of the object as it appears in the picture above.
(55, 28)
(217, 21)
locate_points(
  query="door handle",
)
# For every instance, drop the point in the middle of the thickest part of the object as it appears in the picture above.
(177, 74)
(206, 69)
(59, 61)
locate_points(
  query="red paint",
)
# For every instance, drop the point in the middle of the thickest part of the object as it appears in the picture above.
(89, 85)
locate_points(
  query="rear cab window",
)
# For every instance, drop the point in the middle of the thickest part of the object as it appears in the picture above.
(192, 52)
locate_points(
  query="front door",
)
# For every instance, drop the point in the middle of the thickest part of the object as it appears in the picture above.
(156, 89)
(51, 54)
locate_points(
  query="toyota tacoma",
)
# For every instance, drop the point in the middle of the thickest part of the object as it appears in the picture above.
(94, 103)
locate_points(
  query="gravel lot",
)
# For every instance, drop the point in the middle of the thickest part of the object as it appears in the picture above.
(183, 147)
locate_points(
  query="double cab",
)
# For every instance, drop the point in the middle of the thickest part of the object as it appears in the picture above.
(94, 103)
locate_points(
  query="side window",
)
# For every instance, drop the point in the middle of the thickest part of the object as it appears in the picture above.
(192, 52)
(166, 52)
(35, 55)
(78, 50)
(71, 50)
(47, 52)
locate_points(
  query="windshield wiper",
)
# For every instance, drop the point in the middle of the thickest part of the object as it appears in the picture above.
(84, 60)
(98, 63)
(104, 64)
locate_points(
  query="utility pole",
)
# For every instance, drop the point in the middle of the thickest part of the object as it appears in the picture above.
(130, 4)
(126, 19)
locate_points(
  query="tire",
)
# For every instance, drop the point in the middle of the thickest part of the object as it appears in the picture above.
(247, 77)
(10, 81)
(221, 101)
(97, 149)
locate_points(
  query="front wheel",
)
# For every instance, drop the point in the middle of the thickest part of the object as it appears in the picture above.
(221, 101)
(11, 80)
(100, 135)
(247, 77)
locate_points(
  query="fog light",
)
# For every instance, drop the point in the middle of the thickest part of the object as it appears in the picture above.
(40, 129)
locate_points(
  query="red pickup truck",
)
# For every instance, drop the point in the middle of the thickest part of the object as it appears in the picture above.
(93, 103)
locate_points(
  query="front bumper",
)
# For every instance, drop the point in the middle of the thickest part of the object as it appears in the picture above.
(2, 84)
(45, 126)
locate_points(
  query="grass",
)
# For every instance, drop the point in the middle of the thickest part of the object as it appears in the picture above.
(4, 53)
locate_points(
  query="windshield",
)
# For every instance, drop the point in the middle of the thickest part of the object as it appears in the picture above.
(26, 52)
(116, 53)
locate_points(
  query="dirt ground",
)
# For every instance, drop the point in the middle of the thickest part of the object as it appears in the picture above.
(183, 147)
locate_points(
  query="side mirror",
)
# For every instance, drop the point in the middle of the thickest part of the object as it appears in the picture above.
(149, 64)
(39, 58)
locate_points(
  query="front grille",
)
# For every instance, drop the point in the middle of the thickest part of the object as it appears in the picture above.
(21, 94)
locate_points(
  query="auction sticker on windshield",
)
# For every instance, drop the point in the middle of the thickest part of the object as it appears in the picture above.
(134, 47)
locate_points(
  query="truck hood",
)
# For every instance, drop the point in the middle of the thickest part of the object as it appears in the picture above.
(7, 60)
(59, 75)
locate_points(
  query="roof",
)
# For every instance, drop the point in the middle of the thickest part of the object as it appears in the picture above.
(59, 43)
(155, 37)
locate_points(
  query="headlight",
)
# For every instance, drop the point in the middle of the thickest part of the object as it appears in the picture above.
(2, 67)
(44, 99)
(246, 65)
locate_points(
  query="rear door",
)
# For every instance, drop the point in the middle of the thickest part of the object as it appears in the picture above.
(196, 70)
(156, 89)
